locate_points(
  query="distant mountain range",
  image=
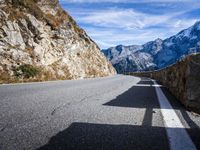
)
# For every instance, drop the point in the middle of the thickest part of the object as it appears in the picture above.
(155, 54)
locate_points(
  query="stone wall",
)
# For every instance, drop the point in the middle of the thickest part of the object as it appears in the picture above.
(182, 79)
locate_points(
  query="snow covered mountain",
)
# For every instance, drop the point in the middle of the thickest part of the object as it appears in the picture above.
(155, 54)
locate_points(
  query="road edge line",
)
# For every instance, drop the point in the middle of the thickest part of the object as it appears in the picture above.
(176, 132)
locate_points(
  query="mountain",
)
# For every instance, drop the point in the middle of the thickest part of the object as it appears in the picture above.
(155, 54)
(40, 41)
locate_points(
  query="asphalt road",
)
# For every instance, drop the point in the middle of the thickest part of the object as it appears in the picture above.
(118, 112)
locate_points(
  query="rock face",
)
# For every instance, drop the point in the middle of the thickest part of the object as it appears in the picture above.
(182, 79)
(156, 54)
(38, 38)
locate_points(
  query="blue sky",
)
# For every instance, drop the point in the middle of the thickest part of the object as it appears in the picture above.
(128, 22)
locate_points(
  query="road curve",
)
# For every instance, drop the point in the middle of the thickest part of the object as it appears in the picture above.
(118, 112)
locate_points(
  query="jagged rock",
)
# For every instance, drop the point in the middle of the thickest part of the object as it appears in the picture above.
(42, 34)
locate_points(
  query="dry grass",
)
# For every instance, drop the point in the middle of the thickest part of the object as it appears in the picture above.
(56, 66)
(16, 10)
(52, 21)
(30, 51)
(31, 7)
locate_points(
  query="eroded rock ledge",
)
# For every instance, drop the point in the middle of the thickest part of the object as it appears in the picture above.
(182, 79)
(40, 41)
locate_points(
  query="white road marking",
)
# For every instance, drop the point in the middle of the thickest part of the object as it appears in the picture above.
(177, 135)
(148, 80)
(155, 85)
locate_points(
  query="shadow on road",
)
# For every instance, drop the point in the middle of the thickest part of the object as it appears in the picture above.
(139, 97)
(107, 136)
(145, 81)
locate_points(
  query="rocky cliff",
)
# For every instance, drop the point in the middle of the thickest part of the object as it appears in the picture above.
(182, 79)
(40, 41)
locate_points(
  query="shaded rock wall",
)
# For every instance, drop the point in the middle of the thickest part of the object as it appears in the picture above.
(182, 79)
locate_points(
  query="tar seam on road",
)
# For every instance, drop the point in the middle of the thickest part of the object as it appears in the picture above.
(177, 135)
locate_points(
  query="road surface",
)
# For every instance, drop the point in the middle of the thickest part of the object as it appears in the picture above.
(118, 112)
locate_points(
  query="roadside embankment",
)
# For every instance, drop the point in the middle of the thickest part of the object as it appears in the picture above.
(182, 79)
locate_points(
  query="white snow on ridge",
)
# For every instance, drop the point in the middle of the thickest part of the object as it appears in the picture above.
(158, 53)
(184, 33)
(169, 43)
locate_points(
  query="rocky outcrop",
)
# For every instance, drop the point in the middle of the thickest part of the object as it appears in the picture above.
(182, 79)
(38, 38)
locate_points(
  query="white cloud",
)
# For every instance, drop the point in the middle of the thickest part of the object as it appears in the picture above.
(113, 26)
(129, 19)
(108, 37)
(112, 37)
(122, 18)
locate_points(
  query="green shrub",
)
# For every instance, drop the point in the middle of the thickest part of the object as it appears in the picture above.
(26, 71)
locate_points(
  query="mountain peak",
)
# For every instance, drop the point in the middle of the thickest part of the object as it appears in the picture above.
(158, 53)
(197, 22)
(158, 39)
(197, 25)
(119, 47)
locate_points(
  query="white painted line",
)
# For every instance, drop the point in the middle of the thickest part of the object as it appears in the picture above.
(153, 85)
(177, 135)
(148, 80)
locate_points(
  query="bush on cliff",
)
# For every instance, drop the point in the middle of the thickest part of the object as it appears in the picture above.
(26, 71)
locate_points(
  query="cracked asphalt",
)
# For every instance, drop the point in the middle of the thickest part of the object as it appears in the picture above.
(118, 112)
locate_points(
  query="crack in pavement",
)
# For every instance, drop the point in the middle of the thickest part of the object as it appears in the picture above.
(53, 112)
(2, 129)
(58, 108)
